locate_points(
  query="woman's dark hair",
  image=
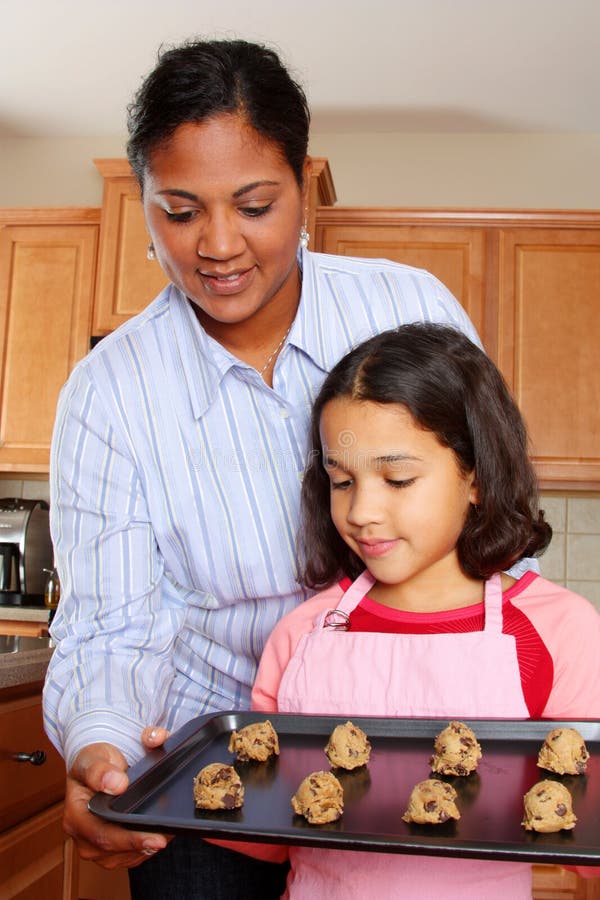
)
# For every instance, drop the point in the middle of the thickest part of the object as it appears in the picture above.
(451, 388)
(200, 79)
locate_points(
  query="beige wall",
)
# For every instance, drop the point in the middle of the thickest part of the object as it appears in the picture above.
(547, 171)
(479, 170)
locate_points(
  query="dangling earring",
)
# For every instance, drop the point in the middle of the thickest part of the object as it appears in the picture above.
(304, 237)
(150, 252)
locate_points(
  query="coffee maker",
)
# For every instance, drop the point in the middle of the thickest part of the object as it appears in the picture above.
(25, 551)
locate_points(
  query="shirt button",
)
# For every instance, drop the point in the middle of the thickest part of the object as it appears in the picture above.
(283, 412)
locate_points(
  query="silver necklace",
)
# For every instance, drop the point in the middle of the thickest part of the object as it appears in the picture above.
(275, 352)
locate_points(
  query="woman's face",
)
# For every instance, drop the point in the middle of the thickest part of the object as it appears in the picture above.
(224, 212)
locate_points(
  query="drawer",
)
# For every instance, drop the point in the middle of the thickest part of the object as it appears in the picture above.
(26, 789)
(37, 860)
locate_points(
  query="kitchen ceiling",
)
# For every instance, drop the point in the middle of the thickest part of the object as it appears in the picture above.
(69, 67)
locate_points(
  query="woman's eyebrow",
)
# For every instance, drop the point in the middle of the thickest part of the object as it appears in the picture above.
(253, 185)
(187, 195)
(176, 192)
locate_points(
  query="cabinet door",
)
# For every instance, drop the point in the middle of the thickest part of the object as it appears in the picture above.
(127, 280)
(548, 339)
(454, 254)
(26, 789)
(555, 883)
(47, 268)
(37, 860)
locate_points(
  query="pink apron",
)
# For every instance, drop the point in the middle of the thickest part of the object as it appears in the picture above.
(459, 675)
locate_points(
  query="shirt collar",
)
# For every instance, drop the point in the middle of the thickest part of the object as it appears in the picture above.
(205, 362)
(313, 330)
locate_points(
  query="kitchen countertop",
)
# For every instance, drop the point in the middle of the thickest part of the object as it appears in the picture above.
(23, 660)
(24, 613)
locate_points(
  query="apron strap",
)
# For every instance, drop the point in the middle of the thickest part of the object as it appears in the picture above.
(493, 619)
(493, 604)
(339, 618)
(357, 590)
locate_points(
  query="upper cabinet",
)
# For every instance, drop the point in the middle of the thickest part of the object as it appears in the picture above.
(455, 253)
(47, 270)
(530, 281)
(127, 281)
(548, 327)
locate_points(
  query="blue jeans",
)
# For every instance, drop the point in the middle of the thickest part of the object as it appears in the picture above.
(190, 869)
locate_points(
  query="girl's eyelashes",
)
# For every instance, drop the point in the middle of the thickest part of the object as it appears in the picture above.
(340, 485)
(397, 485)
(406, 482)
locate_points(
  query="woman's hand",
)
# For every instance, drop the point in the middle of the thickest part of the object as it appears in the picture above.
(153, 737)
(101, 767)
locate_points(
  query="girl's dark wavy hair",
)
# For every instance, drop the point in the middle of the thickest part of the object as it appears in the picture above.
(201, 79)
(454, 390)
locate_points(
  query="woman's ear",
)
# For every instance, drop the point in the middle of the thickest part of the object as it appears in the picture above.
(306, 175)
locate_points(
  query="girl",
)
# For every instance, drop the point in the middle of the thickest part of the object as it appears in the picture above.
(418, 496)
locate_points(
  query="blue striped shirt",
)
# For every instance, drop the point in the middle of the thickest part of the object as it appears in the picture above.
(175, 487)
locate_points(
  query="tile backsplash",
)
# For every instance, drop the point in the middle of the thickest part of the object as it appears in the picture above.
(572, 559)
(28, 490)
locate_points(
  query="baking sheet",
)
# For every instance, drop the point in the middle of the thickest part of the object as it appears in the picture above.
(375, 797)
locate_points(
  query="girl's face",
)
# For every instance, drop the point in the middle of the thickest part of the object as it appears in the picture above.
(398, 498)
(224, 212)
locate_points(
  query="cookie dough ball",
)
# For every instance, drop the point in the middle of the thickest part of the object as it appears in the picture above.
(431, 802)
(218, 786)
(548, 807)
(348, 747)
(456, 751)
(319, 798)
(563, 752)
(258, 741)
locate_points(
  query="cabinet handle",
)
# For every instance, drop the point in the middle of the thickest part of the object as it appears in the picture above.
(37, 758)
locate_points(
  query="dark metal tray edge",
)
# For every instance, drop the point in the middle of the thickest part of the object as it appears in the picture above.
(182, 744)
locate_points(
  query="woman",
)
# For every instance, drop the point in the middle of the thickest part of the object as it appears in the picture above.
(180, 442)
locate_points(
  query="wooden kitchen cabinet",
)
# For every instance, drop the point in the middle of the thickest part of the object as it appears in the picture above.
(47, 270)
(36, 858)
(530, 281)
(556, 883)
(454, 254)
(26, 789)
(548, 327)
(127, 281)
